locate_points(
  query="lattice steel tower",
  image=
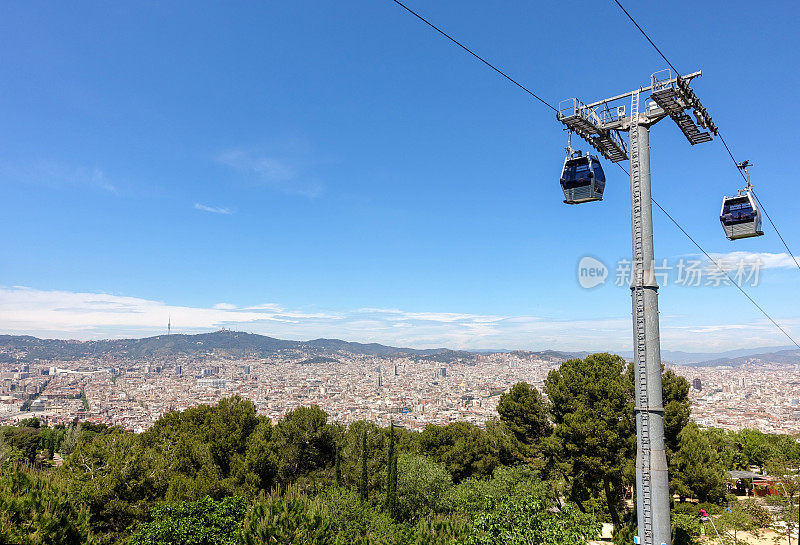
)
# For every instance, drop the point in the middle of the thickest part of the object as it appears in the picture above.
(600, 124)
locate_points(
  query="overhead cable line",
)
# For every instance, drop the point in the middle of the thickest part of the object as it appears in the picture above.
(764, 209)
(722, 139)
(648, 37)
(735, 162)
(471, 52)
(537, 97)
(716, 263)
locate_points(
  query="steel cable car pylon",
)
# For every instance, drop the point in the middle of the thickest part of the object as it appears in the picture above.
(600, 124)
(652, 480)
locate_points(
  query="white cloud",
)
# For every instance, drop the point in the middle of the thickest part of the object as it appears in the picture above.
(764, 260)
(212, 209)
(93, 315)
(55, 174)
(282, 174)
(722, 337)
(81, 315)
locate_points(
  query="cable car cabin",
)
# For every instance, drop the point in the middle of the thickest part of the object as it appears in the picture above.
(740, 217)
(582, 179)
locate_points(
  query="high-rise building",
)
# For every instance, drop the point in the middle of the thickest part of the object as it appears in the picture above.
(211, 382)
(697, 384)
(443, 371)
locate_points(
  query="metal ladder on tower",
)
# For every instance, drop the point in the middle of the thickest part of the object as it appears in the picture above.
(639, 268)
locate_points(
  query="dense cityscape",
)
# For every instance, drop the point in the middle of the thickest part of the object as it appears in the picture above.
(410, 391)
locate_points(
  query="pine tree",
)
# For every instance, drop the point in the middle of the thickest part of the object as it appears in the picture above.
(338, 466)
(364, 484)
(391, 473)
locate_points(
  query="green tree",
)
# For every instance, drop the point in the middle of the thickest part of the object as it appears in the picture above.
(303, 442)
(202, 522)
(755, 447)
(469, 496)
(363, 485)
(49, 440)
(527, 522)
(261, 464)
(117, 479)
(212, 439)
(465, 449)
(695, 471)
(733, 520)
(441, 530)
(677, 408)
(422, 485)
(391, 474)
(24, 441)
(287, 519)
(71, 439)
(352, 459)
(594, 431)
(355, 522)
(31, 422)
(685, 528)
(523, 410)
(37, 509)
(338, 467)
(727, 448)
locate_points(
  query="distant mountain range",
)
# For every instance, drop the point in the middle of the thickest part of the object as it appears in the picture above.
(674, 356)
(224, 343)
(786, 357)
(231, 344)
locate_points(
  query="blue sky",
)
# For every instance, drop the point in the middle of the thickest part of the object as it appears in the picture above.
(307, 169)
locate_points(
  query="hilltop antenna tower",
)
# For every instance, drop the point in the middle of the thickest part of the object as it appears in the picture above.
(600, 124)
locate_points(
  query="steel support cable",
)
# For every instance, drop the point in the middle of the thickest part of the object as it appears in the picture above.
(735, 162)
(764, 209)
(716, 263)
(537, 97)
(722, 139)
(648, 38)
(471, 52)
